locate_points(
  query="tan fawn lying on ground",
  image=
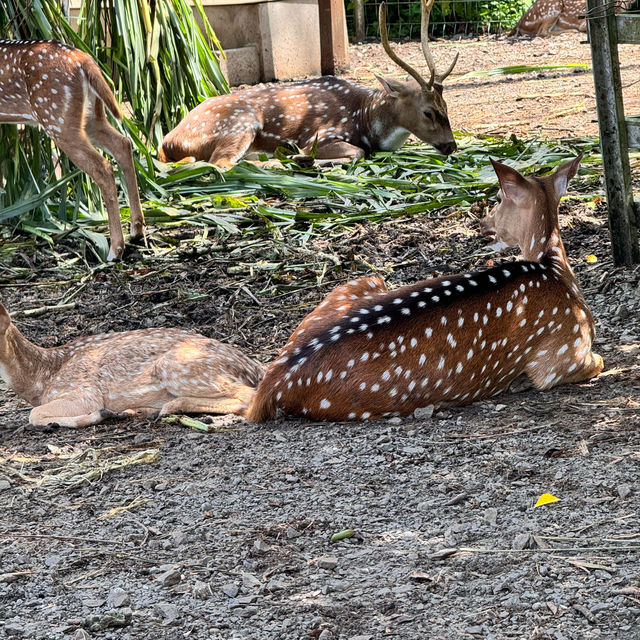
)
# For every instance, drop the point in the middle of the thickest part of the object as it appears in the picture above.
(346, 120)
(62, 90)
(366, 352)
(546, 16)
(134, 373)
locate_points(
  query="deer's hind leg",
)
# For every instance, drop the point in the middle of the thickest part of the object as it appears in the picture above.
(576, 366)
(592, 365)
(85, 156)
(67, 412)
(108, 138)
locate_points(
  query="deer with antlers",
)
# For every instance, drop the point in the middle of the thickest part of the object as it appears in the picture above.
(344, 121)
(544, 17)
(128, 374)
(61, 89)
(366, 352)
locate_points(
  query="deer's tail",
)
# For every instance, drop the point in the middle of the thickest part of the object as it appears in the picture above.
(99, 85)
(263, 406)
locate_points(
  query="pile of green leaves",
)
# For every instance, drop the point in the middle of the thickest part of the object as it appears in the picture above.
(411, 181)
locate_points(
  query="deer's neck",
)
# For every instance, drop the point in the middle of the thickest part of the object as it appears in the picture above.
(542, 243)
(378, 124)
(27, 368)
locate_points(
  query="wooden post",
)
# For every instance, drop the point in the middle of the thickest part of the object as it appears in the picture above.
(334, 44)
(623, 223)
(358, 19)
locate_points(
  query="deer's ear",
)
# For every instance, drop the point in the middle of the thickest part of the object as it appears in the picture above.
(5, 320)
(511, 182)
(563, 174)
(392, 87)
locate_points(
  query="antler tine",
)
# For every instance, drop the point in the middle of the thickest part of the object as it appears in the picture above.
(441, 76)
(382, 18)
(426, 6)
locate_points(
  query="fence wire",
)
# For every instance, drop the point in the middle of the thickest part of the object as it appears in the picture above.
(448, 17)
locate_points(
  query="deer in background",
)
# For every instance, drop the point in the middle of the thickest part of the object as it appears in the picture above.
(366, 352)
(62, 90)
(129, 374)
(546, 16)
(345, 121)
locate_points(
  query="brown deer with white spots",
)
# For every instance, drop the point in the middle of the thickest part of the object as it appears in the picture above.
(61, 89)
(345, 121)
(366, 352)
(546, 16)
(130, 374)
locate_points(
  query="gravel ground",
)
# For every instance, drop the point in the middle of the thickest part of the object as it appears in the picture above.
(154, 531)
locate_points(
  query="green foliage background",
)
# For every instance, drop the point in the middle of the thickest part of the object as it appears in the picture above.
(448, 17)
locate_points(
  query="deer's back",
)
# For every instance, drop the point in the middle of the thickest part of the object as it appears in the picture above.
(372, 353)
(126, 360)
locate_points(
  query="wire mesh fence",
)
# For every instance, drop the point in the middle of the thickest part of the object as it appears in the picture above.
(448, 17)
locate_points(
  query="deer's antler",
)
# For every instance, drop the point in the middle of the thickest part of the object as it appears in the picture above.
(382, 18)
(436, 77)
(439, 78)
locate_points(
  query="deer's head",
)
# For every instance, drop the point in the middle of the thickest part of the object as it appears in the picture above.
(419, 104)
(526, 212)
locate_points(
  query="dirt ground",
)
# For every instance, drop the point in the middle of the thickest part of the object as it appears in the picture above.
(154, 531)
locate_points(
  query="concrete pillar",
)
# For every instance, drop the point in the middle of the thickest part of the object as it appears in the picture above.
(290, 39)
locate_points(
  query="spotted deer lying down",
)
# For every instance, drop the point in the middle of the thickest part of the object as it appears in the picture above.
(345, 121)
(546, 16)
(61, 89)
(366, 352)
(130, 374)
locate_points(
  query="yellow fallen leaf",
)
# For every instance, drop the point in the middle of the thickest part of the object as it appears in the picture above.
(545, 498)
(591, 258)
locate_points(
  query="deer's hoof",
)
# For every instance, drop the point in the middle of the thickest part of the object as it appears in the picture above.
(137, 231)
(107, 414)
(115, 253)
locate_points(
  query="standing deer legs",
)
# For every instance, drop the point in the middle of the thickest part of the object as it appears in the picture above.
(83, 154)
(103, 135)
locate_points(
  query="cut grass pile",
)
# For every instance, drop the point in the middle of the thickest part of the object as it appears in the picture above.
(247, 198)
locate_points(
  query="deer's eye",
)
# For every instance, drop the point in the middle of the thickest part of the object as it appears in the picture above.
(428, 114)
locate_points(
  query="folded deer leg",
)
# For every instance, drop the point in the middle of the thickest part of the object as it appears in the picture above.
(67, 412)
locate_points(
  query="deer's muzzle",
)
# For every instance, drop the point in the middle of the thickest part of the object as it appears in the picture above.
(447, 148)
